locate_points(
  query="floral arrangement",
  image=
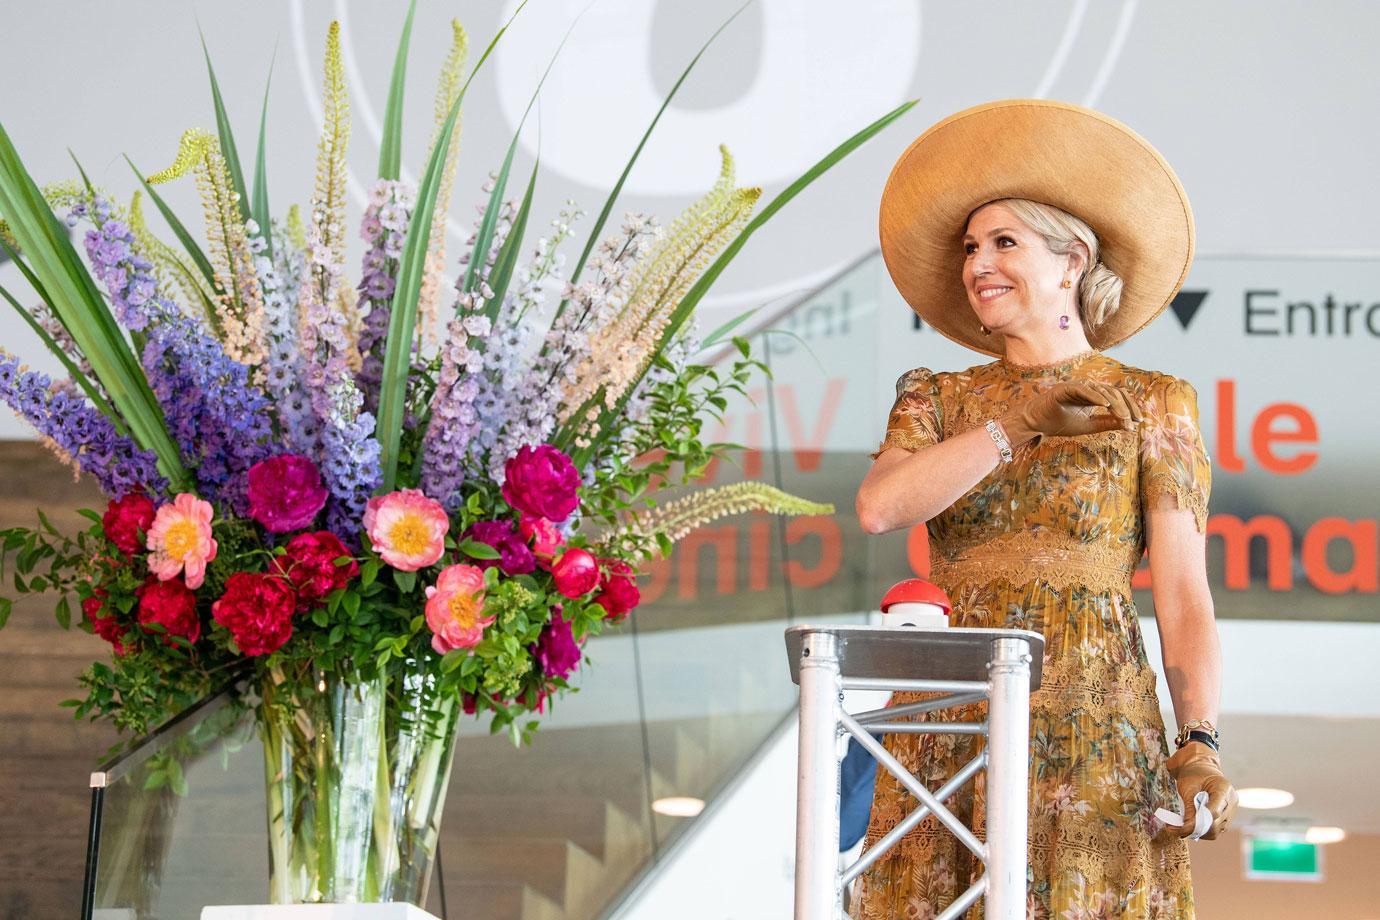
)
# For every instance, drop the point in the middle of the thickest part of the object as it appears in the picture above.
(312, 476)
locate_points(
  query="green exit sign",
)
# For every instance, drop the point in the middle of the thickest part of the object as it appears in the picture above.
(1284, 857)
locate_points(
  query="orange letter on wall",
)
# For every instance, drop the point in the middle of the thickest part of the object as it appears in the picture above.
(1226, 428)
(807, 448)
(1263, 437)
(830, 550)
(1236, 541)
(1362, 576)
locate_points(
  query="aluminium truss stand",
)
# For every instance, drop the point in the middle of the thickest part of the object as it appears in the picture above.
(966, 666)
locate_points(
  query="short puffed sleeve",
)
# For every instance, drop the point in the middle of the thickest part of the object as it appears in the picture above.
(1175, 470)
(916, 419)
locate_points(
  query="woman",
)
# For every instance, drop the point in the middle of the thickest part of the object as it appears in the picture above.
(1041, 233)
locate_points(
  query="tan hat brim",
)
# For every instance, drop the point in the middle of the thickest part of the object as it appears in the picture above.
(1078, 160)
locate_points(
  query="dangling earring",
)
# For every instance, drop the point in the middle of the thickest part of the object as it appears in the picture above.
(1064, 321)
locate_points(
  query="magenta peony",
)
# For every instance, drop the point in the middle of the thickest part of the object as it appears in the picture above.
(310, 566)
(285, 492)
(171, 604)
(406, 529)
(127, 520)
(545, 537)
(576, 572)
(453, 608)
(556, 649)
(104, 624)
(514, 556)
(541, 482)
(618, 593)
(257, 609)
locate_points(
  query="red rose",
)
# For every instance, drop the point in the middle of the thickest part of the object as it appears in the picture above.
(105, 626)
(618, 594)
(576, 573)
(309, 565)
(127, 520)
(257, 609)
(172, 604)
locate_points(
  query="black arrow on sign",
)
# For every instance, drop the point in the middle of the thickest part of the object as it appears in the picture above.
(1185, 306)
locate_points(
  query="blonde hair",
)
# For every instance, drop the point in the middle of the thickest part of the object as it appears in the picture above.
(1099, 288)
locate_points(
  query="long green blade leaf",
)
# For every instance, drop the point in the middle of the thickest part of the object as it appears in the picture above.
(489, 223)
(390, 148)
(646, 135)
(74, 297)
(227, 136)
(722, 332)
(259, 206)
(508, 252)
(711, 274)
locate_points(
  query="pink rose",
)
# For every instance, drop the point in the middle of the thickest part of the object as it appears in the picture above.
(618, 594)
(285, 492)
(453, 608)
(576, 572)
(541, 482)
(309, 565)
(257, 609)
(172, 605)
(406, 529)
(545, 538)
(127, 520)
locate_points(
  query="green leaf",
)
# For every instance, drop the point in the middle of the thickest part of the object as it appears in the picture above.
(476, 550)
(79, 304)
(227, 138)
(508, 252)
(259, 205)
(726, 328)
(63, 613)
(179, 230)
(351, 604)
(646, 135)
(702, 285)
(406, 581)
(6, 605)
(453, 659)
(390, 148)
(368, 572)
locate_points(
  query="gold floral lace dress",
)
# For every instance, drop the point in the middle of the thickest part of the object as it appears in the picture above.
(1048, 542)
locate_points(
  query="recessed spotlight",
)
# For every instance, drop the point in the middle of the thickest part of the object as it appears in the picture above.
(1323, 834)
(1262, 797)
(678, 806)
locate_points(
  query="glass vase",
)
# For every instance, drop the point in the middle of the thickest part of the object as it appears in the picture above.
(356, 776)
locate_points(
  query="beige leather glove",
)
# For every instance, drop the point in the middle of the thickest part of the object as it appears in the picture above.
(1196, 767)
(1072, 408)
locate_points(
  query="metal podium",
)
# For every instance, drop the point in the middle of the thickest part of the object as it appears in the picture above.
(965, 666)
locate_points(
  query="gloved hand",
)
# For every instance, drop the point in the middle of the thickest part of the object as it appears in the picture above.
(1072, 408)
(1195, 767)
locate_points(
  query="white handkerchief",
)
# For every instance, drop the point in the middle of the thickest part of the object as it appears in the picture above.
(1202, 818)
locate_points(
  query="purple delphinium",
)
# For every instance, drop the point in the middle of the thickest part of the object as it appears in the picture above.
(79, 429)
(282, 371)
(218, 418)
(384, 229)
(514, 555)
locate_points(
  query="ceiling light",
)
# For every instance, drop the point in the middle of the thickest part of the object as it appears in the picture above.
(678, 806)
(1323, 834)
(1262, 797)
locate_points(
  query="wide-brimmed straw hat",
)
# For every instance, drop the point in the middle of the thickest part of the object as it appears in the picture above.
(1081, 161)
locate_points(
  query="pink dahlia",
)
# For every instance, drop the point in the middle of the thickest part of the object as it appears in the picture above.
(453, 608)
(285, 492)
(180, 539)
(407, 529)
(541, 482)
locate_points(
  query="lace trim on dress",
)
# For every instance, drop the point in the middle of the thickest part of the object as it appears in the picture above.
(1030, 555)
(1054, 367)
(1161, 491)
